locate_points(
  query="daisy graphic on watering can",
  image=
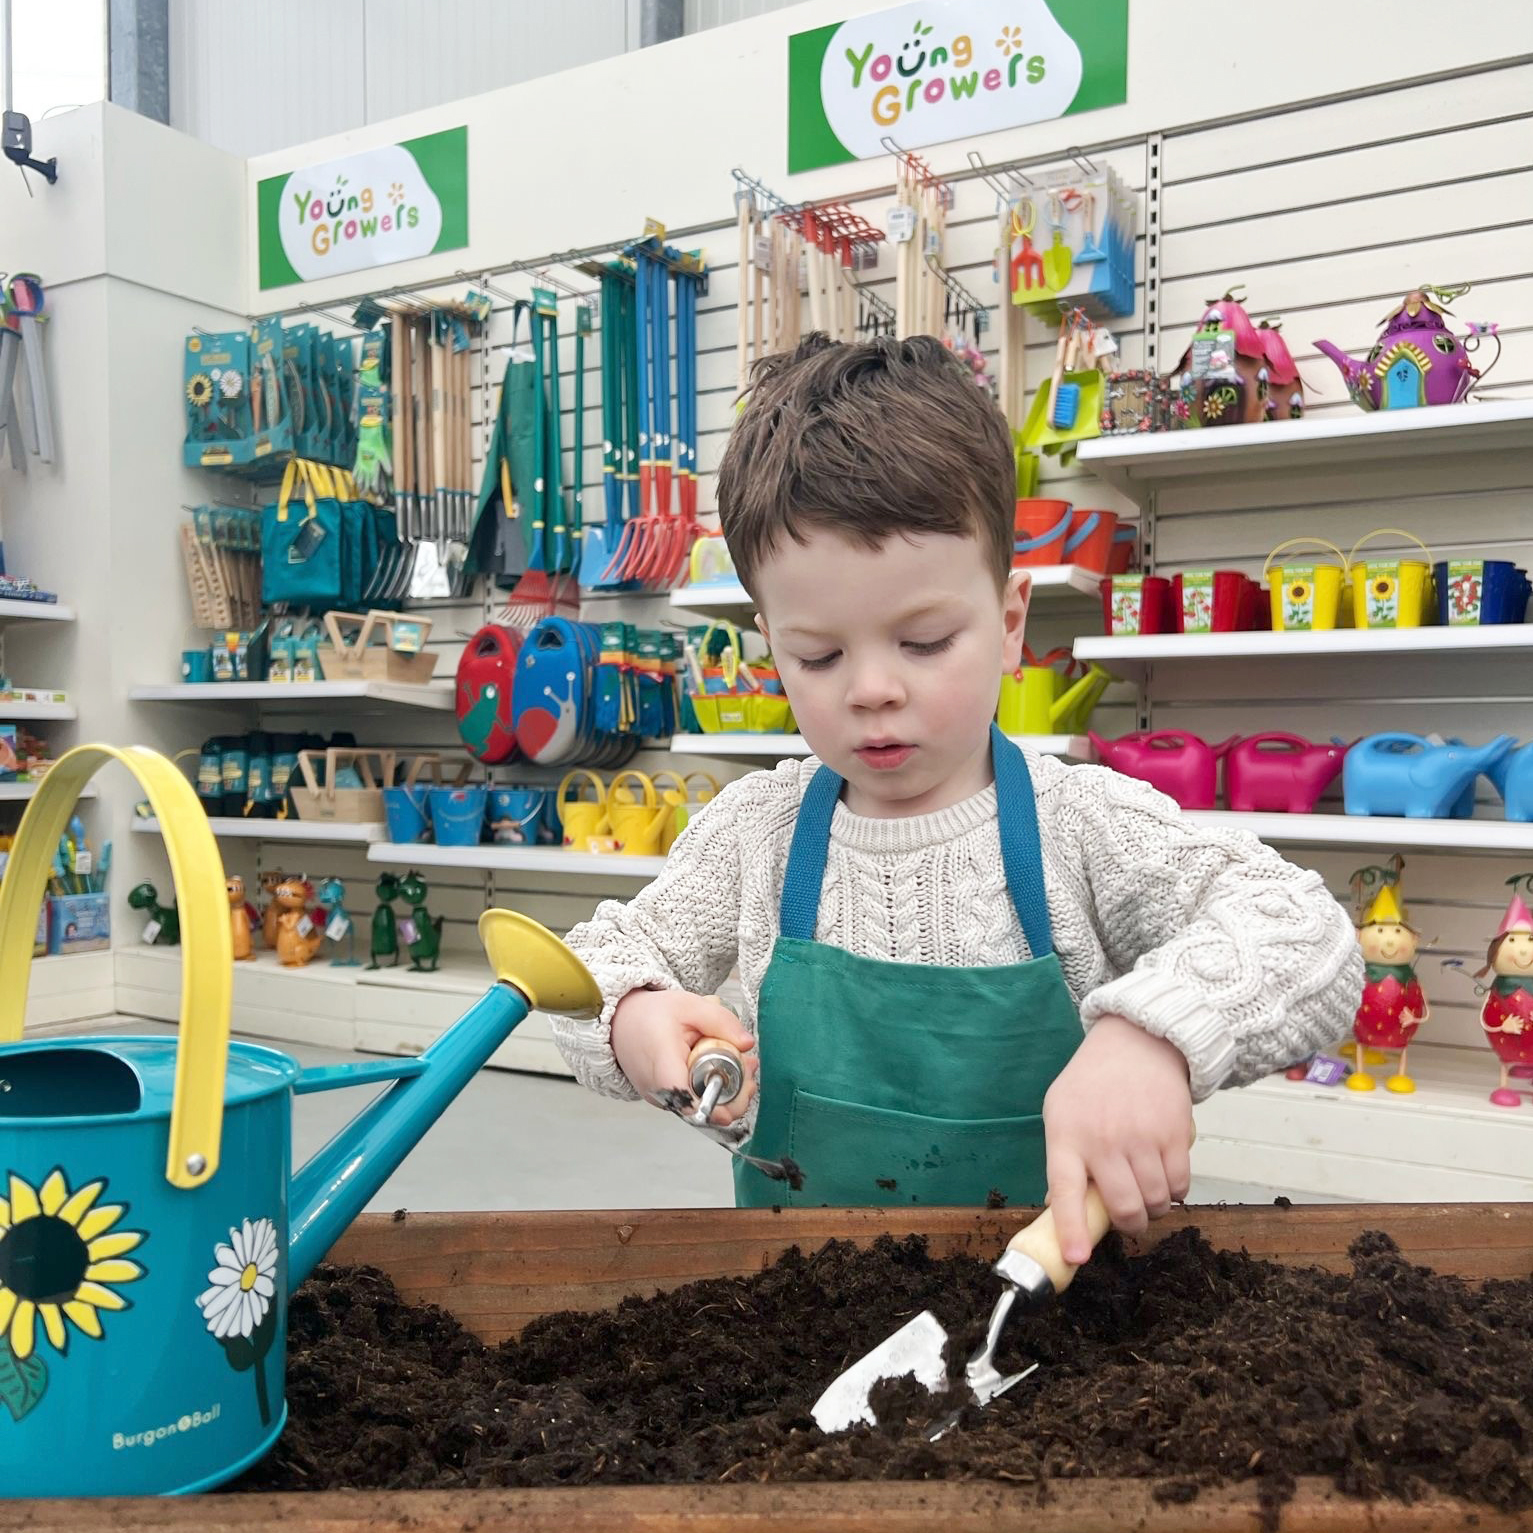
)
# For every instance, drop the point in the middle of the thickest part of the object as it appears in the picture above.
(164, 1373)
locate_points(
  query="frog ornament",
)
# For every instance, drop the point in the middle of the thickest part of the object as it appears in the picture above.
(1393, 1004)
(1507, 1014)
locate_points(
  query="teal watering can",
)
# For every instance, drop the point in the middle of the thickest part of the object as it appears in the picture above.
(151, 1226)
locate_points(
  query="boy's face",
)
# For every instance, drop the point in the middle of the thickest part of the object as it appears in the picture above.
(892, 658)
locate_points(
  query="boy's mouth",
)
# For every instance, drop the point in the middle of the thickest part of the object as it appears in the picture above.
(884, 755)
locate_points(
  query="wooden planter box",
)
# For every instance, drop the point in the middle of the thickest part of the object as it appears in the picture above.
(498, 1271)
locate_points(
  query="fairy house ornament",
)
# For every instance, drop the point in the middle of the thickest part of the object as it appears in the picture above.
(1234, 372)
(1507, 1014)
(1393, 1005)
(1417, 359)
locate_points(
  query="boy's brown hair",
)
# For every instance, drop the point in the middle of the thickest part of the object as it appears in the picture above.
(867, 440)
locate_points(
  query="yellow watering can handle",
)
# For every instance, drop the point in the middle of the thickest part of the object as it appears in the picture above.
(732, 656)
(1395, 532)
(707, 777)
(1304, 543)
(639, 777)
(667, 782)
(207, 950)
(569, 777)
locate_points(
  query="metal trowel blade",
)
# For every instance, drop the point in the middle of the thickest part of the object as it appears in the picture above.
(919, 1347)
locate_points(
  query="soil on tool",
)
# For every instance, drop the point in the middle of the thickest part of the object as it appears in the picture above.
(1187, 1365)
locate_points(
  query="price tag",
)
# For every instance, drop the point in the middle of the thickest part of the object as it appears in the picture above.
(762, 255)
(408, 637)
(340, 924)
(900, 221)
(305, 926)
(408, 931)
(84, 862)
(151, 931)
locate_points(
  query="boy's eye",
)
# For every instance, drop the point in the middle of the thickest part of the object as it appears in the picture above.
(934, 648)
(820, 662)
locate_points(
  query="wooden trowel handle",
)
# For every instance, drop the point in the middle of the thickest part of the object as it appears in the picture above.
(711, 1046)
(1040, 1240)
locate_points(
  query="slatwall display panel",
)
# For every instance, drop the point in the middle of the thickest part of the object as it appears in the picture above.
(1329, 214)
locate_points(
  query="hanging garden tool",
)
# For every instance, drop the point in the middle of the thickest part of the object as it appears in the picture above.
(648, 550)
(619, 407)
(497, 547)
(26, 302)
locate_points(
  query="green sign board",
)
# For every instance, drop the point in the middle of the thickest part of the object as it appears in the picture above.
(369, 209)
(944, 69)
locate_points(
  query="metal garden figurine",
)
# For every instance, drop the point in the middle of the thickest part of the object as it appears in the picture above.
(421, 930)
(338, 923)
(164, 928)
(385, 936)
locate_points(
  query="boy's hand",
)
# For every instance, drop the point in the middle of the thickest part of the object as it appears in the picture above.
(1119, 1114)
(653, 1031)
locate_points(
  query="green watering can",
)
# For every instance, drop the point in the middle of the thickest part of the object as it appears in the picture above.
(151, 1226)
(1037, 699)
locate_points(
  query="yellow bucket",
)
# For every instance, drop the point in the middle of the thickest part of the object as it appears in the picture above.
(585, 822)
(1304, 597)
(1391, 593)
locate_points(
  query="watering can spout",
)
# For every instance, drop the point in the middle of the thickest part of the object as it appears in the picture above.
(1350, 366)
(533, 969)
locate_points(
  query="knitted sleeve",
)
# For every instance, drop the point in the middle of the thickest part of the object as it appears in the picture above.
(678, 933)
(1242, 960)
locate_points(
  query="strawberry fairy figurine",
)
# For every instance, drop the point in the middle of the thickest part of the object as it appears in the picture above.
(1507, 1015)
(1393, 1004)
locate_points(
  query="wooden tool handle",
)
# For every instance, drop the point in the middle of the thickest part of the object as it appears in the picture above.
(1040, 1240)
(713, 1046)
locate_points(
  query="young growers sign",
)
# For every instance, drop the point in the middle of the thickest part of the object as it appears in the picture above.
(369, 209)
(945, 69)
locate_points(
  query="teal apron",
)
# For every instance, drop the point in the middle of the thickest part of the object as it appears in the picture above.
(900, 1083)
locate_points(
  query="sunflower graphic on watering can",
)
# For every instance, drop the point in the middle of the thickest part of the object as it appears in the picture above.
(151, 1223)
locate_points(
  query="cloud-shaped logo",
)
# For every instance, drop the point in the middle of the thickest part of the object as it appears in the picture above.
(927, 73)
(365, 210)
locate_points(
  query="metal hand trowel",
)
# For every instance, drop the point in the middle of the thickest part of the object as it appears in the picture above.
(1035, 1273)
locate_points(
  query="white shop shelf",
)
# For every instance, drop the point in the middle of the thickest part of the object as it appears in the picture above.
(1383, 831)
(11, 792)
(27, 712)
(1446, 1142)
(745, 747)
(1139, 464)
(432, 694)
(376, 1011)
(227, 826)
(1122, 651)
(529, 859)
(14, 611)
(730, 599)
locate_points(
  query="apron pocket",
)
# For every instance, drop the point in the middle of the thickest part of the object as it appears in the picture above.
(852, 1155)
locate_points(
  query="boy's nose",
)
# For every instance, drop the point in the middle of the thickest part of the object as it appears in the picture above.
(874, 685)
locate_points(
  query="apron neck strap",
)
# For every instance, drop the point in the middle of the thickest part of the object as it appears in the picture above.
(1021, 853)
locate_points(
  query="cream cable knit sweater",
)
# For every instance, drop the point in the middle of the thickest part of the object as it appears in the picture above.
(1205, 937)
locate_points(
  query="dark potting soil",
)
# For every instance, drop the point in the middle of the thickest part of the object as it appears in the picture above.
(1187, 1365)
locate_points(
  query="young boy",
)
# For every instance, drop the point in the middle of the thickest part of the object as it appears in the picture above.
(966, 967)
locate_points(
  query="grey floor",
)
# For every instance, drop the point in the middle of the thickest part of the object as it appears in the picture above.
(514, 1141)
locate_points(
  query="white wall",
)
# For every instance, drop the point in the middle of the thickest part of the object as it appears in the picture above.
(252, 78)
(135, 244)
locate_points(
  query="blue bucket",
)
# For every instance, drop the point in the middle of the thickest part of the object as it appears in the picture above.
(405, 810)
(514, 815)
(1486, 591)
(457, 815)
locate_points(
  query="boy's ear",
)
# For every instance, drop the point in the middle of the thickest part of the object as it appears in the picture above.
(1015, 600)
(761, 628)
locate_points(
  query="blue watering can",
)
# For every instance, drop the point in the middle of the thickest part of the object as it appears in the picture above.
(151, 1226)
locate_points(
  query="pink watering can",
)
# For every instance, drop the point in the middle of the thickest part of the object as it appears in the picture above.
(1278, 772)
(1179, 764)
